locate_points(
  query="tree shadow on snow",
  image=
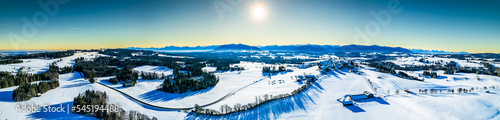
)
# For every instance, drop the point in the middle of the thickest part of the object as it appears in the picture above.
(412, 93)
(382, 101)
(6, 96)
(270, 110)
(43, 114)
(372, 69)
(157, 95)
(334, 74)
(442, 77)
(162, 69)
(342, 71)
(74, 76)
(379, 100)
(76, 85)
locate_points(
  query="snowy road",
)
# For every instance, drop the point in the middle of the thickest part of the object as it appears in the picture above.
(169, 108)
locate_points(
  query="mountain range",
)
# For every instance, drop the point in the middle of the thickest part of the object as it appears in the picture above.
(305, 48)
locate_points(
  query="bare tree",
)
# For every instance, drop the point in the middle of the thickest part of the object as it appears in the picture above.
(222, 108)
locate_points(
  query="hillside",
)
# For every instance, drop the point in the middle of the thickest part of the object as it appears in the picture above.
(236, 47)
(309, 48)
(372, 48)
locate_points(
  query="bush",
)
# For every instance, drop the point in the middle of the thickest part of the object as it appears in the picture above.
(432, 74)
(449, 72)
(114, 80)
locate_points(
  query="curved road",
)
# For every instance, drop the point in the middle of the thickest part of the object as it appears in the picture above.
(168, 108)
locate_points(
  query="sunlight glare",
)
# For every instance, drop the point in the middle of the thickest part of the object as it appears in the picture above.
(259, 12)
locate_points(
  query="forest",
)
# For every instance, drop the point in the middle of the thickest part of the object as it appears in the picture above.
(449, 68)
(27, 91)
(48, 55)
(10, 61)
(97, 98)
(181, 83)
(8, 79)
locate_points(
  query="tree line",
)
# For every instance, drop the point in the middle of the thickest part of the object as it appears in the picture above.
(108, 66)
(26, 90)
(402, 74)
(51, 55)
(98, 98)
(273, 69)
(449, 68)
(8, 80)
(458, 90)
(10, 61)
(151, 75)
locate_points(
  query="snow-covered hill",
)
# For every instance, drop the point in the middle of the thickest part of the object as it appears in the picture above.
(318, 102)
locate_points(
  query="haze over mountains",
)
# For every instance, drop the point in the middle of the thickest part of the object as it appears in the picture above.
(303, 48)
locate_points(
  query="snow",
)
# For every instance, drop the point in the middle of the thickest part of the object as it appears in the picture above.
(41, 65)
(156, 69)
(317, 102)
(403, 106)
(404, 61)
(496, 65)
(209, 69)
(146, 89)
(172, 56)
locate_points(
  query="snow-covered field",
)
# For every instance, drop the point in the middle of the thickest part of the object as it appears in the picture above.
(414, 61)
(320, 105)
(258, 85)
(475, 105)
(154, 69)
(41, 65)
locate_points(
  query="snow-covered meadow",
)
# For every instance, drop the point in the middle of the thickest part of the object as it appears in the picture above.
(41, 65)
(318, 102)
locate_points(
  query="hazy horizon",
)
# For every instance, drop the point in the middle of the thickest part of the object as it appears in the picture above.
(456, 26)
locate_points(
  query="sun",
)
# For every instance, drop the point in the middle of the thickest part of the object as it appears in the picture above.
(259, 12)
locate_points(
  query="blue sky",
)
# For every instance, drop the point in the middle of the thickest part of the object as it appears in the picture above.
(451, 25)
